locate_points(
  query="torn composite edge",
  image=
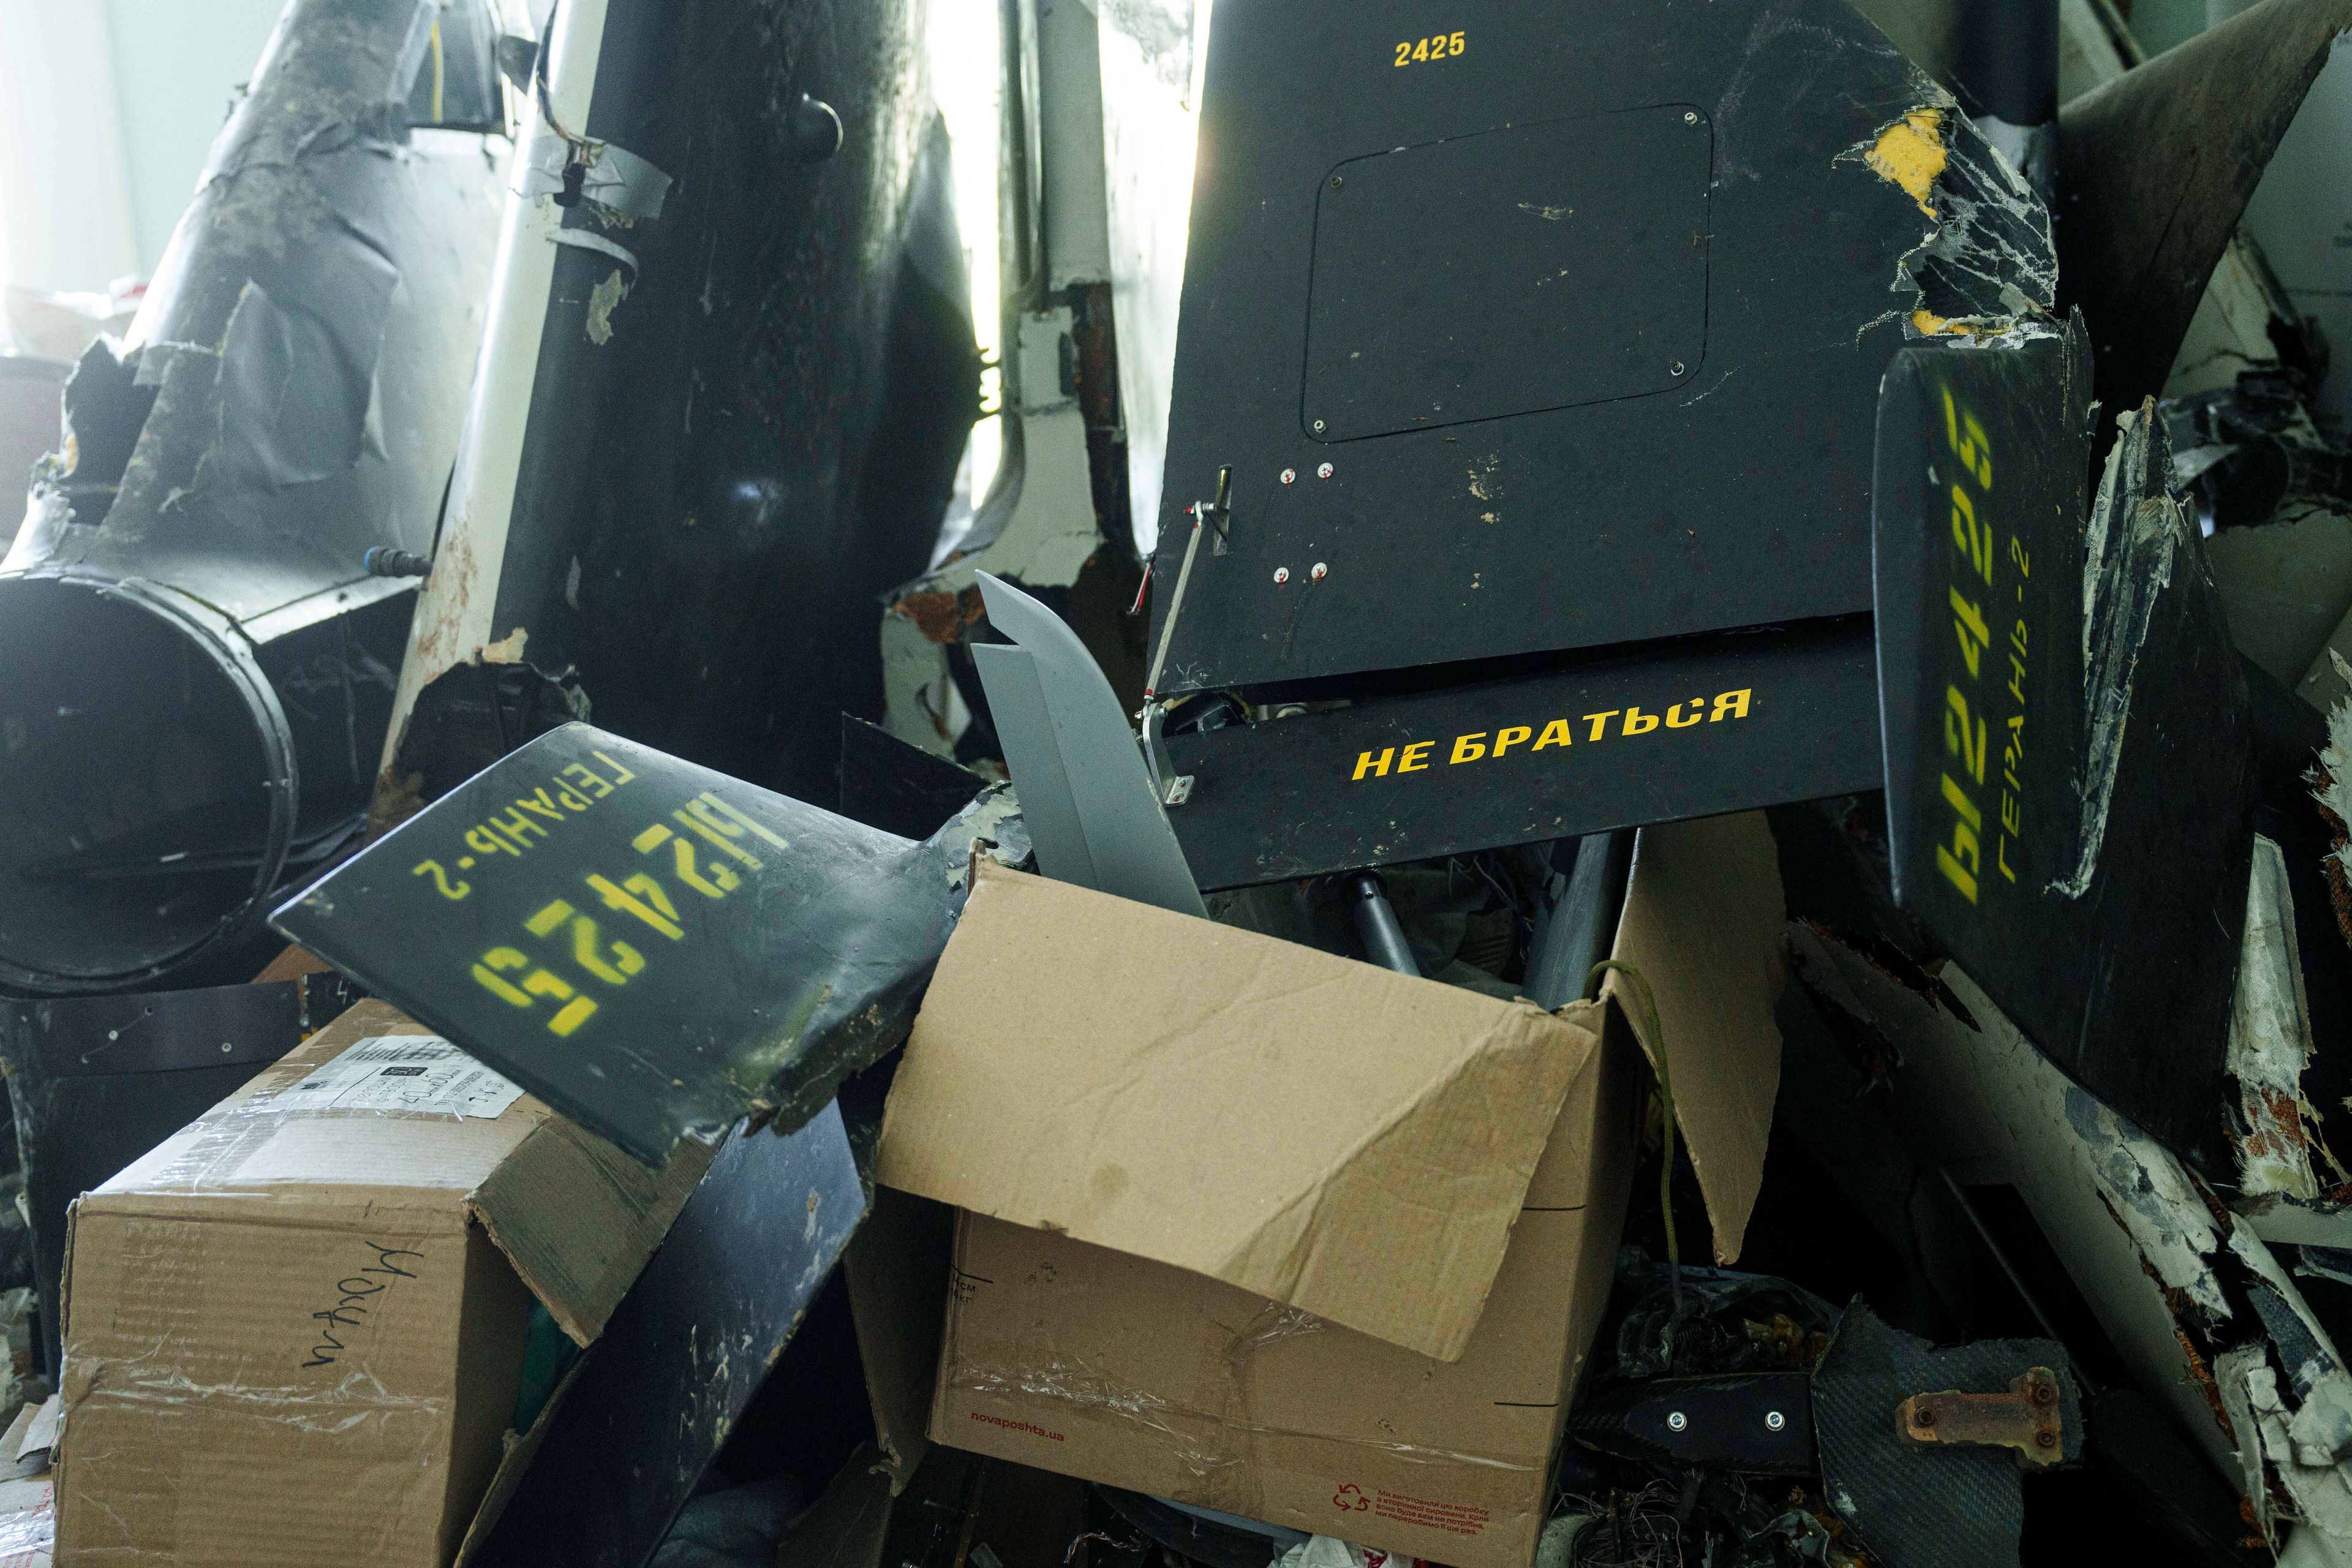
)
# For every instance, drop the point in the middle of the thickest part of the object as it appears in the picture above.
(1986, 270)
(2135, 532)
(2272, 1378)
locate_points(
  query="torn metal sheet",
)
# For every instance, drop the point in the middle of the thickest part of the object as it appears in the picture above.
(2155, 169)
(1037, 526)
(197, 668)
(1060, 490)
(2066, 728)
(94, 1082)
(651, 947)
(2243, 449)
(664, 1386)
(728, 364)
(1763, 213)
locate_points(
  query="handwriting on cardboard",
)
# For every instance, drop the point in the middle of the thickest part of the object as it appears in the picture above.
(424, 1074)
(356, 1295)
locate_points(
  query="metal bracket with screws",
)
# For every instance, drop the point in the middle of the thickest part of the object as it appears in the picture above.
(2027, 1418)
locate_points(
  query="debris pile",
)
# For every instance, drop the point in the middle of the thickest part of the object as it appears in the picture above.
(1686, 908)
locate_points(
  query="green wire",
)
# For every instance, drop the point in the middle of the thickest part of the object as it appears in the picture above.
(1666, 1103)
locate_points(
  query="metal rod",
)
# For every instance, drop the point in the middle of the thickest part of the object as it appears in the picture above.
(1377, 924)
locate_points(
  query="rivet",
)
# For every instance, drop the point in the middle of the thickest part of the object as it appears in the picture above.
(1677, 367)
(1335, 182)
(1690, 117)
(1923, 1416)
(1324, 472)
(1289, 475)
(1318, 426)
(1282, 574)
(1320, 572)
(2045, 1438)
(1677, 1421)
(1774, 1420)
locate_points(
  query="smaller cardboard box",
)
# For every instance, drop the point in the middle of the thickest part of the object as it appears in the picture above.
(1275, 1233)
(295, 1333)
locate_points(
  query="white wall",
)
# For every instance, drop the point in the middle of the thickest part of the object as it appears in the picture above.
(177, 65)
(65, 210)
(107, 109)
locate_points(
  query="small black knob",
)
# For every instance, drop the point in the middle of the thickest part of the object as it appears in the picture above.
(816, 129)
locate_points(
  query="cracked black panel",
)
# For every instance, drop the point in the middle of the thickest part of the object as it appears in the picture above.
(2070, 795)
(654, 949)
(196, 671)
(1700, 462)
(1987, 270)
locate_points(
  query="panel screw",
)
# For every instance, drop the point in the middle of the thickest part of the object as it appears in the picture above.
(1288, 475)
(2045, 1438)
(1923, 1416)
(2041, 1392)
(1282, 574)
(1676, 367)
(1690, 117)
(1774, 1420)
(1677, 1421)
(1320, 572)
(1318, 426)
(1324, 472)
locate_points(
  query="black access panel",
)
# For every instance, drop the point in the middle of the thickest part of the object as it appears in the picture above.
(1540, 343)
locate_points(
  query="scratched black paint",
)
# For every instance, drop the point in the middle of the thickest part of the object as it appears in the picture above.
(1682, 446)
(653, 948)
(2127, 986)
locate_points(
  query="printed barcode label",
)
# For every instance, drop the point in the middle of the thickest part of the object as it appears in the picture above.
(422, 1074)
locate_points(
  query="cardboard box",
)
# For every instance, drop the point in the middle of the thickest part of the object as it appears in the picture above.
(294, 1333)
(1125, 1327)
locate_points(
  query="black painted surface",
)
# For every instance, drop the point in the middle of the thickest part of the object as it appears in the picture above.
(1679, 731)
(711, 499)
(652, 948)
(1509, 272)
(1737, 496)
(704, 1325)
(1727, 1423)
(2128, 985)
